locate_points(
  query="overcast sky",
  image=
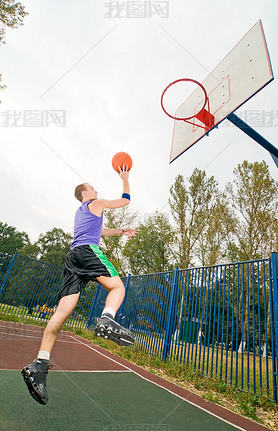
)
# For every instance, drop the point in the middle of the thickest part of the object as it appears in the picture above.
(94, 74)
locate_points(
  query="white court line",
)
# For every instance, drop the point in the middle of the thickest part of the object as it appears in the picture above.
(17, 335)
(154, 383)
(129, 369)
(3, 324)
(90, 371)
(75, 371)
(10, 335)
(31, 329)
(8, 324)
(25, 328)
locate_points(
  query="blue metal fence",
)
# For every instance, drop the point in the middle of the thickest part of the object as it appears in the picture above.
(220, 320)
(30, 288)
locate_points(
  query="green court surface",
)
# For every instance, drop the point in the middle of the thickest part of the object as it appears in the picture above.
(99, 401)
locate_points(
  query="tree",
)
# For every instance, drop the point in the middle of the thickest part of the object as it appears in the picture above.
(112, 245)
(253, 194)
(152, 249)
(11, 240)
(51, 247)
(192, 206)
(11, 16)
(30, 250)
(2, 86)
(214, 238)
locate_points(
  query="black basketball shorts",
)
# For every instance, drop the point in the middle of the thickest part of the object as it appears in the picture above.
(82, 264)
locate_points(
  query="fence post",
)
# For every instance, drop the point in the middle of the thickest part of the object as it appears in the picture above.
(8, 272)
(171, 315)
(93, 305)
(274, 259)
(121, 309)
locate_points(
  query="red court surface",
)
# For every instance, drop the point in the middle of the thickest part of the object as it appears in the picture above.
(19, 345)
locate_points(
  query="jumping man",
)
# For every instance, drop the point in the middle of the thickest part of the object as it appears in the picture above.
(84, 262)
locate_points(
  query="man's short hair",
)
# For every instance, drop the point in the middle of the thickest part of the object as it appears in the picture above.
(78, 191)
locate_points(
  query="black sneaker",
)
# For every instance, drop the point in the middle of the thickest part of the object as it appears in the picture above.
(111, 330)
(34, 376)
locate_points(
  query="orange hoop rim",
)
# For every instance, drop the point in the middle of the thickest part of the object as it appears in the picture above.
(186, 80)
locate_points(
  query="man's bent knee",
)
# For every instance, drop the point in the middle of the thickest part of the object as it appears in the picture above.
(111, 283)
(68, 303)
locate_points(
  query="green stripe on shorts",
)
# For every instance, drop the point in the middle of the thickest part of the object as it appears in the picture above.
(110, 268)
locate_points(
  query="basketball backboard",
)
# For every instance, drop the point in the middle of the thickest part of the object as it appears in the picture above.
(244, 71)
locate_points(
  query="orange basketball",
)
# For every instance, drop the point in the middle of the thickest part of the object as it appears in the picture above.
(121, 159)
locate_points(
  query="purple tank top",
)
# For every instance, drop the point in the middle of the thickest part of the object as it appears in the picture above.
(87, 227)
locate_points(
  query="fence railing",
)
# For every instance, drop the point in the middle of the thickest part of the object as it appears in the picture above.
(30, 288)
(220, 320)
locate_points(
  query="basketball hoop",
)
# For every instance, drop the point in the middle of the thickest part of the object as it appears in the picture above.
(203, 115)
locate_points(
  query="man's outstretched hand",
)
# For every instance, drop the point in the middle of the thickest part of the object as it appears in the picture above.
(130, 232)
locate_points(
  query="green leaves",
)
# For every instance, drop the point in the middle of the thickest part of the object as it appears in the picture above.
(253, 195)
(11, 240)
(51, 247)
(112, 246)
(192, 205)
(210, 226)
(238, 224)
(11, 15)
(152, 250)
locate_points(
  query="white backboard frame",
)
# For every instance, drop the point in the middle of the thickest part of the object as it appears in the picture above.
(244, 71)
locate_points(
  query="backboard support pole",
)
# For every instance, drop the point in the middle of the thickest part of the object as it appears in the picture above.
(254, 135)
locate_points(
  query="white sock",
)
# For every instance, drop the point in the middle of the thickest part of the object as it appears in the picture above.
(109, 310)
(43, 354)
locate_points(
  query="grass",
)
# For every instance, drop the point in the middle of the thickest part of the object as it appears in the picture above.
(237, 369)
(245, 371)
(255, 406)
(21, 312)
